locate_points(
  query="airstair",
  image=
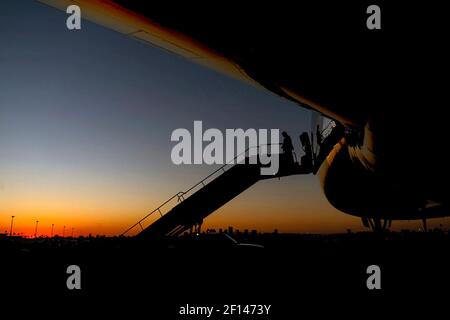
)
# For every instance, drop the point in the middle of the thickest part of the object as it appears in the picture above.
(186, 210)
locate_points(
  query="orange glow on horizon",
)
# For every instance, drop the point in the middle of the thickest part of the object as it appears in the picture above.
(278, 204)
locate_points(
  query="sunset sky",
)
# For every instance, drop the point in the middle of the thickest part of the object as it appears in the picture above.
(85, 125)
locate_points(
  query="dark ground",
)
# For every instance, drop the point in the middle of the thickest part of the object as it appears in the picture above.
(298, 275)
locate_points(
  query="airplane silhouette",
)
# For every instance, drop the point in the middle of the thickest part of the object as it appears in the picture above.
(384, 89)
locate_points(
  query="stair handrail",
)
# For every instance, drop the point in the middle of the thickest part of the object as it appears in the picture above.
(180, 194)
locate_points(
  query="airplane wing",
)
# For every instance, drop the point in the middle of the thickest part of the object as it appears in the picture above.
(112, 15)
(283, 49)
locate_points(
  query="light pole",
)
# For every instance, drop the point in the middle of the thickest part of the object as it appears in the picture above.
(10, 230)
(35, 229)
(64, 231)
(51, 235)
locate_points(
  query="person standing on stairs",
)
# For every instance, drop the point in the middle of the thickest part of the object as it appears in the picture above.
(287, 147)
